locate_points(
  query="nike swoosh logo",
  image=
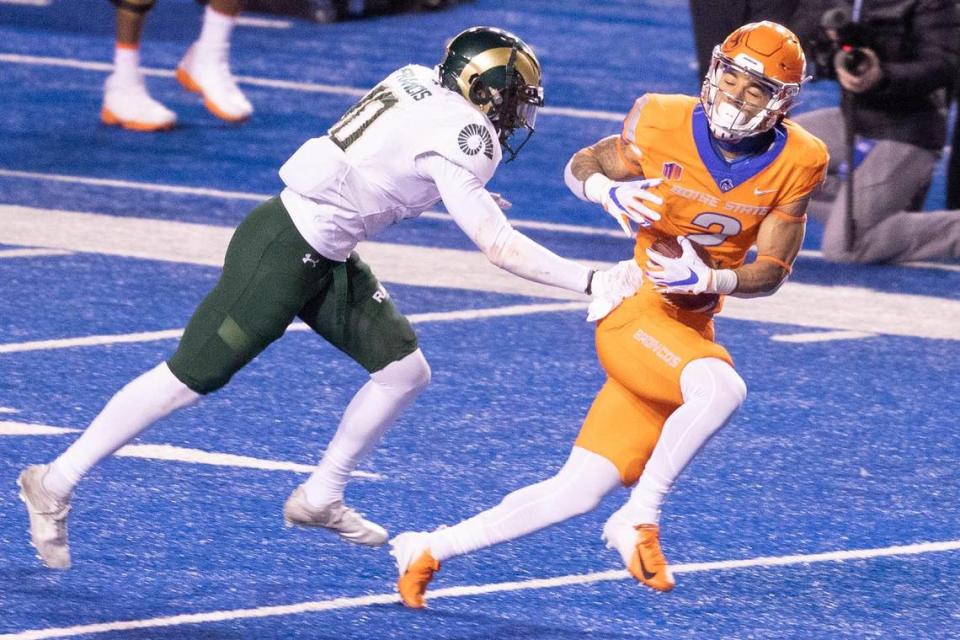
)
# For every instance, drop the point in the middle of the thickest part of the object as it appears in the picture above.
(692, 278)
(647, 575)
(761, 192)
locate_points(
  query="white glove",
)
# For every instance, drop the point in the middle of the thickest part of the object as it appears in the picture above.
(608, 288)
(625, 202)
(687, 274)
(502, 202)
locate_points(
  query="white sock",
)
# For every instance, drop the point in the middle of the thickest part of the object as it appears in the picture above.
(216, 30)
(146, 399)
(712, 392)
(126, 63)
(578, 487)
(368, 416)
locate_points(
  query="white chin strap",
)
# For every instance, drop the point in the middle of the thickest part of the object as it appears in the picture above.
(727, 122)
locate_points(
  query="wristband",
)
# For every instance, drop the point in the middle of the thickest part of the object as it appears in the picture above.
(724, 281)
(595, 187)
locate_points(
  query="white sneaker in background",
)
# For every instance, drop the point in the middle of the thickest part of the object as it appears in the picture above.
(207, 71)
(127, 104)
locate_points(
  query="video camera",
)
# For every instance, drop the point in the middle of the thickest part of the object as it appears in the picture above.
(839, 33)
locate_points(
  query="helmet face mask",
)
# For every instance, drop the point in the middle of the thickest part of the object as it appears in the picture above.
(764, 64)
(500, 75)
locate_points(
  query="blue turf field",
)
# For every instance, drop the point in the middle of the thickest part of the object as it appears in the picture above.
(844, 450)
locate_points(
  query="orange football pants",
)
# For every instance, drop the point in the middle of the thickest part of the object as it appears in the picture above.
(643, 346)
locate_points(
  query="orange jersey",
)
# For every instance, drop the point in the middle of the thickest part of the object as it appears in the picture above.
(717, 203)
(645, 343)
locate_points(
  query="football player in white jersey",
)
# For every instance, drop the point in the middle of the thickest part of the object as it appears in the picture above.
(418, 137)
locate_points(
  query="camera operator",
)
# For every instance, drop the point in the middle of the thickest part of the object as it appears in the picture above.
(895, 61)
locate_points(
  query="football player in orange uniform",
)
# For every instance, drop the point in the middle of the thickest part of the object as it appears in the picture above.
(727, 172)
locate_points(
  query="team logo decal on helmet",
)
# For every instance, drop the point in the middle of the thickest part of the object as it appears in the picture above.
(771, 56)
(500, 75)
(473, 139)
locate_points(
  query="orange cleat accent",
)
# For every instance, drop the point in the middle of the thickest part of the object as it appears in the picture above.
(412, 585)
(109, 118)
(187, 82)
(648, 565)
(191, 85)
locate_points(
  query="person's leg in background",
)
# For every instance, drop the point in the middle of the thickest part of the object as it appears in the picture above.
(890, 184)
(126, 102)
(889, 187)
(205, 68)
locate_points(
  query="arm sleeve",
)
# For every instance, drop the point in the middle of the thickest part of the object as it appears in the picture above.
(476, 213)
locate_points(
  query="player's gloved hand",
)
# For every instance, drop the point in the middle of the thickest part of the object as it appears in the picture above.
(625, 202)
(502, 202)
(687, 274)
(608, 288)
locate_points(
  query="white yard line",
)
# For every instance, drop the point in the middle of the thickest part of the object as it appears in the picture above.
(289, 85)
(173, 453)
(170, 334)
(821, 336)
(472, 590)
(263, 23)
(32, 253)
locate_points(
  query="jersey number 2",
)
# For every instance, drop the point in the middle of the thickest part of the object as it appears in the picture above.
(361, 115)
(721, 226)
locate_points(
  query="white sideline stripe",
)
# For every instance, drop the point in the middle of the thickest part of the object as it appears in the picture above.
(32, 253)
(30, 3)
(89, 341)
(198, 456)
(8, 428)
(796, 304)
(168, 334)
(821, 336)
(141, 186)
(472, 590)
(307, 87)
(260, 197)
(264, 23)
(938, 266)
(8, 410)
(173, 453)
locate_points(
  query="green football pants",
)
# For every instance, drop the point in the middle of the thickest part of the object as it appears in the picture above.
(272, 276)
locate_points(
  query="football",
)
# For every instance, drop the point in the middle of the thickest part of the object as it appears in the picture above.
(700, 303)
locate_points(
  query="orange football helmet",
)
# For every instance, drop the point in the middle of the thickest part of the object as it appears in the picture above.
(771, 56)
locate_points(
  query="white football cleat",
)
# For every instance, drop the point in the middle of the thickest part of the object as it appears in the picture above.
(336, 516)
(127, 104)
(207, 72)
(48, 518)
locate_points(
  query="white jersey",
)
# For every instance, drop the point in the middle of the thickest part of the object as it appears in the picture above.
(362, 176)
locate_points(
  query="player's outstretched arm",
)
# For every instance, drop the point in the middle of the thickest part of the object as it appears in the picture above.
(778, 243)
(477, 214)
